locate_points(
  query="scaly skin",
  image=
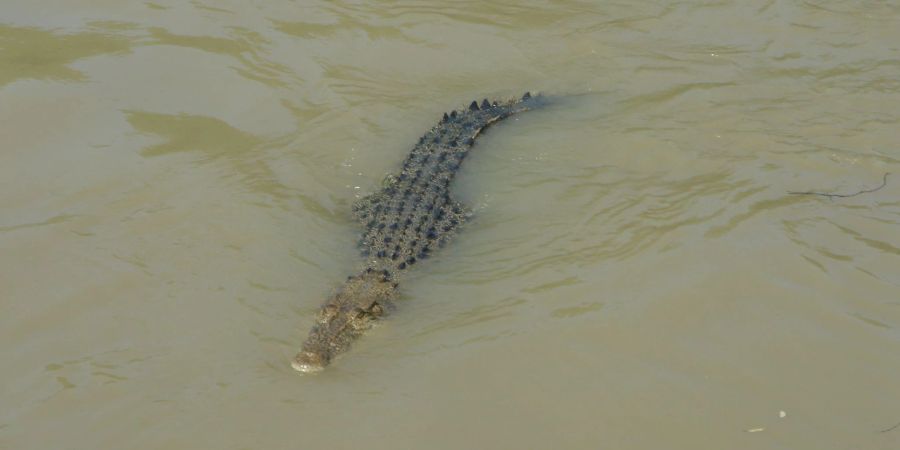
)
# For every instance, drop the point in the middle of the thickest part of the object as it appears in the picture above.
(404, 222)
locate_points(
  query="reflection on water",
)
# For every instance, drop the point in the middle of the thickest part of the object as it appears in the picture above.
(176, 182)
(183, 132)
(243, 45)
(27, 52)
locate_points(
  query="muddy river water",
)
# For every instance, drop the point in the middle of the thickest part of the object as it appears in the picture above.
(175, 188)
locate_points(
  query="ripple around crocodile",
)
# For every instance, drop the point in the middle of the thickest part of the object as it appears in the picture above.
(403, 223)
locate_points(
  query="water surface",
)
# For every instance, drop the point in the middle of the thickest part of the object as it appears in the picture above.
(175, 187)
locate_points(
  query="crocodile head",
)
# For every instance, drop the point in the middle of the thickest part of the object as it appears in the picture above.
(344, 317)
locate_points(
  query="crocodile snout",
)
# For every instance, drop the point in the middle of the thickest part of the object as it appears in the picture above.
(308, 362)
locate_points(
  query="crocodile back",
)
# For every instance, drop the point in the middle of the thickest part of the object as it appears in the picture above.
(414, 214)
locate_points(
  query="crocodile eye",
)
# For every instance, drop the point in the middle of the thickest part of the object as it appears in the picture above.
(360, 319)
(327, 313)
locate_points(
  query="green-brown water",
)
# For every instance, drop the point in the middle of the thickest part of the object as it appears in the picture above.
(175, 188)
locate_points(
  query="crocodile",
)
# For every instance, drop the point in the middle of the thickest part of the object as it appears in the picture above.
(404, 222)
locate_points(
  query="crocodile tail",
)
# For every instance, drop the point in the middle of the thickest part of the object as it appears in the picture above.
(457, 130)
(465, 125)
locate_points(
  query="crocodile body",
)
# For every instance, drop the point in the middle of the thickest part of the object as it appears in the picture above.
(404, 222)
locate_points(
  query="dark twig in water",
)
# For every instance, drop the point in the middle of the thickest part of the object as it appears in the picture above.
(891, 428)
(832, 196)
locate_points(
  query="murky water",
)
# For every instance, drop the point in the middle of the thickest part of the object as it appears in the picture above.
(175, 187)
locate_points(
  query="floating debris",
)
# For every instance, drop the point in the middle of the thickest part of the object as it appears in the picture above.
(833, 196)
